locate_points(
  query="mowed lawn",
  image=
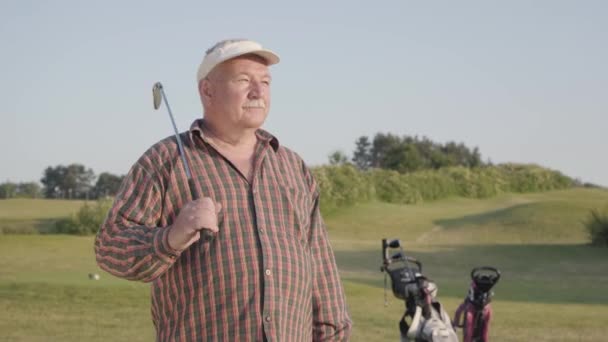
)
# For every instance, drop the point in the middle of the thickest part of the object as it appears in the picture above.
(554, 286)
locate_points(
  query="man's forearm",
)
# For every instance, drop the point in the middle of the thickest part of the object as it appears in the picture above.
(134, 253)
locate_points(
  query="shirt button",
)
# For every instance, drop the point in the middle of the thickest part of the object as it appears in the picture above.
(268, 272)
(267, 318)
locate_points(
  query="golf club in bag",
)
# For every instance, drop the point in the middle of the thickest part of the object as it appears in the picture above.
(475, 313)
(158, 94)
(424, 319)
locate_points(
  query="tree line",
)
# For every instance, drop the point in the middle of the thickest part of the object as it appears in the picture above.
(74, 181)
(407, 154)
(385, 151)
(404, 154)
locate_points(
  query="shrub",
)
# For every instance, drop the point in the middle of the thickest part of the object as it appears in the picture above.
(341, 186)
(391, 186)
(532, 178)
(18, 228)
(597, 226)
(86, 221)
(428, 185)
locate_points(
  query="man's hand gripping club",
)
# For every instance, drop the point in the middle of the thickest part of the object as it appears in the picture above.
(192, 219)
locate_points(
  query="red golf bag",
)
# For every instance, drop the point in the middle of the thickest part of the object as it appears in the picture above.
(475, 313)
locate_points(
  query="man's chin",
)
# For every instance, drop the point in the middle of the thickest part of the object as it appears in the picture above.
(254, 120)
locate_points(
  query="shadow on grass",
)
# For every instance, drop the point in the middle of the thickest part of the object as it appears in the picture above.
(562, 273)
(507, 216)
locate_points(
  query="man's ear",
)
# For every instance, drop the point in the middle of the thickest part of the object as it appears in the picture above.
(205, 89)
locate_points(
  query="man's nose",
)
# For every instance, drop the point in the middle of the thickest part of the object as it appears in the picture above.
(257, 89)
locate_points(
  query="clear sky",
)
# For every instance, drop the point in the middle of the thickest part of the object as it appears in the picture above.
(525, 81)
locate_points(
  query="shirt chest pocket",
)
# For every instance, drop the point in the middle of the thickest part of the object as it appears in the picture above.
(292, 212)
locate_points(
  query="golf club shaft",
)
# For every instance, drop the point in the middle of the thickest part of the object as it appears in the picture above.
(179, 143)
(206, 235)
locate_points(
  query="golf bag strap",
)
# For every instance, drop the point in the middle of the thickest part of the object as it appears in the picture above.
(463, 318)
(458, 318)
(410, 331)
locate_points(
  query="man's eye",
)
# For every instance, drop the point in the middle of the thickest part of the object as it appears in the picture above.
(244, 80)
(266, 82)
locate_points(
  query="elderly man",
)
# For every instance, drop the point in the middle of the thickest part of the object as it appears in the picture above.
(269, 272)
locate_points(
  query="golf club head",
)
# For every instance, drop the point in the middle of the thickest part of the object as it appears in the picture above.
(156, 94)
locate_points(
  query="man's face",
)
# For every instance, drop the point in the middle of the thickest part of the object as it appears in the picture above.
(237, 92)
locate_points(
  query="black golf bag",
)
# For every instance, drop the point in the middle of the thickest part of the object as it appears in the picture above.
(424, 319)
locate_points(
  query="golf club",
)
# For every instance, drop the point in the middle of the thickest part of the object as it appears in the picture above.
(158, 94)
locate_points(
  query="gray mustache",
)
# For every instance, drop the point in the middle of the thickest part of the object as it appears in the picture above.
(255, 104)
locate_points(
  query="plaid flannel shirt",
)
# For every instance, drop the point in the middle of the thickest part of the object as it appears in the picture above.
(269, 274)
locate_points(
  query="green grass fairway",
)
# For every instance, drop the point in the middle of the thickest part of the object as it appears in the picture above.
(31, 216)
(554, 286)
(46, 295)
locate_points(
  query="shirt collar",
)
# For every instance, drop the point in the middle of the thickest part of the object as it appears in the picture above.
(196, 129)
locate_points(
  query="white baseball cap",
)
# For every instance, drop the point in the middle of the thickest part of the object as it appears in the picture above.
(228, 49)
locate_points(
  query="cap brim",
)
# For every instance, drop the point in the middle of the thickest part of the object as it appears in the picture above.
(212, 60)
(269, 56)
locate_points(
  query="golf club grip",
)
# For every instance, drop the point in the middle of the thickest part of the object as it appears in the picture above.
(193, 191)
(206, 234)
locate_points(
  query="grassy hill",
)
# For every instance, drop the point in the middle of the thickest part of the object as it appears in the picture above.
(553, 286)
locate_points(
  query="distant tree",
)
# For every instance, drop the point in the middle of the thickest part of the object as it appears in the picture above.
(78, 181)
(426, 150)
(382, 144)
(52, 181)
(459, 154)
(362, 157)
(411, 153)
(475, 158)
(29, 190)
(72, 181)
(8, 190)
(107, 185)
(403, 158)
(22, 190)
(338, 158)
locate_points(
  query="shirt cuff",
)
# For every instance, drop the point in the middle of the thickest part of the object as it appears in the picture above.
(162, 248)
